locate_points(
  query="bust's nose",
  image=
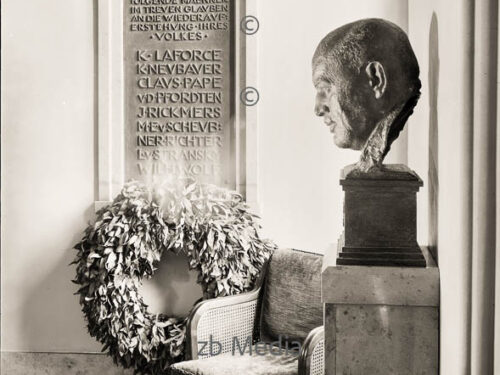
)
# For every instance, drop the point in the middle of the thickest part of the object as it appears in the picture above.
(320, 109)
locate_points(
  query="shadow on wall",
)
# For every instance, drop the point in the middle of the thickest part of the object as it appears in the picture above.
(433, 184)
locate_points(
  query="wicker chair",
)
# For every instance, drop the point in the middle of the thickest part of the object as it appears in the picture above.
(284, 308)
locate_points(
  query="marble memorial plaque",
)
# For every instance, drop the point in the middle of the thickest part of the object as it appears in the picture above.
(179, 90)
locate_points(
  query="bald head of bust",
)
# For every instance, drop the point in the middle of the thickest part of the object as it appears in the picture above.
(365, 72)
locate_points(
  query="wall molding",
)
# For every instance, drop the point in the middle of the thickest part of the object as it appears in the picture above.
(110, 99)
(23, 363)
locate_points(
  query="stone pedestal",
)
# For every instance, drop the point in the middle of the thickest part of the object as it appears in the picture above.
(381, 320)
(380, 217)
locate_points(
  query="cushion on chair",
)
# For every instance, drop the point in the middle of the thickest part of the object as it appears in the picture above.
(246, 364)
(291, 304)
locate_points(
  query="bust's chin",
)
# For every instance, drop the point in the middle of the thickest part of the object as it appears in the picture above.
(348, 143)
(343, 138)
(340, 143)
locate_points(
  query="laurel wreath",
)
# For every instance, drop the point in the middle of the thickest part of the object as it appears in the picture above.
(211, 225)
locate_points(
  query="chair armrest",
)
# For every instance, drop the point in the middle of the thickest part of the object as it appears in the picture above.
(221, 320)
(311, 357)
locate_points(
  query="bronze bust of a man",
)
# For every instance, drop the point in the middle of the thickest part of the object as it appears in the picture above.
(367, 81)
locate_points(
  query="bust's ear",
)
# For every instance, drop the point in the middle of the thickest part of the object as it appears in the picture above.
(376, 78)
